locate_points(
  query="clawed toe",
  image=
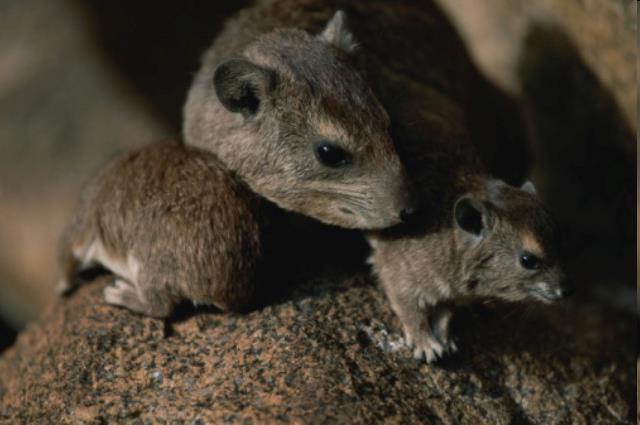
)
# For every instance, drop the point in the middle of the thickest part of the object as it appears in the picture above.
(122, 293)
(114, 295)
(430, 349)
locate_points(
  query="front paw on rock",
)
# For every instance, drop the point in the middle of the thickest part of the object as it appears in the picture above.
(430, 349)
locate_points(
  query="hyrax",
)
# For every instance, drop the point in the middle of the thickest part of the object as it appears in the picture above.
(473, 236)
(492, 240)
(172, 224)
(400, 48)
(288, 113)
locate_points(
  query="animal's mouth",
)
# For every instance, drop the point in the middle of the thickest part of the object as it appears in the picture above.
(342, 208)
(545, 296)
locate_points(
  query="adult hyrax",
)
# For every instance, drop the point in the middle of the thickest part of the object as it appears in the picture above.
(301, 81)
(286, 110)
(173, 224)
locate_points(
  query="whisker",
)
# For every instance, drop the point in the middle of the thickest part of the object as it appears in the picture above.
(355, 199)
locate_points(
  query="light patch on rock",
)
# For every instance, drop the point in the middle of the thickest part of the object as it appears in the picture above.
(387, 342)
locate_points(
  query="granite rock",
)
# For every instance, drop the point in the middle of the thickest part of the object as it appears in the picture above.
(604, 32)
(328, 353)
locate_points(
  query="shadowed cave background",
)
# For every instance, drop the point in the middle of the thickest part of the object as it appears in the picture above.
(82, 80)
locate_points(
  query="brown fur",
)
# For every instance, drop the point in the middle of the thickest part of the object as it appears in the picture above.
(436, 263)
(446, 121)
(408, 53)
(430, 264)
(172, 224)
(306, 90)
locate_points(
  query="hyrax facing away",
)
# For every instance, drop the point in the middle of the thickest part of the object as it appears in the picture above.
(287, 112)
(172, 224)
(473, 236)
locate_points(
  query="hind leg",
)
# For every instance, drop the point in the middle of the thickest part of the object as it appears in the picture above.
(440, 329)
(71, 261)
(69, 279)
(154, 302)
(124, 294)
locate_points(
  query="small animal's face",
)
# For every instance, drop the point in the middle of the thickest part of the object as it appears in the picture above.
(314, 136)
(511, 246)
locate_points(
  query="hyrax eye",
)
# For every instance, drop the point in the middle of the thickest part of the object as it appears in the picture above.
(331, 155)
(530, 261)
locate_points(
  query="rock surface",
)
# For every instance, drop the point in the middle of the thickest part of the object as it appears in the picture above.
(603, 31)
(326, 354)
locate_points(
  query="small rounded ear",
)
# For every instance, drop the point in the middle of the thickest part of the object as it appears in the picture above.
(242, 86)
(529, 188)
(470, 215)
(337, 33)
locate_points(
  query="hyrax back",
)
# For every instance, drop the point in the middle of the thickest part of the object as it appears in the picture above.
(288, 112)
(172, 224)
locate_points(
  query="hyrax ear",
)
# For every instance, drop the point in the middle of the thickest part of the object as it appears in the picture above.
(337, 33)
(243, 86)
(529, 188)
(471, 216)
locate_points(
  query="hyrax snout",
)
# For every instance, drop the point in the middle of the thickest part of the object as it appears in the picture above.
(172, 224)
(288, 112)
(496, 241)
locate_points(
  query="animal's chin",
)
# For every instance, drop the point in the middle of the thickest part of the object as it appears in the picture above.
(542, 297)
(353, 220)
(358, 223)
(328, 212)
(379, 224)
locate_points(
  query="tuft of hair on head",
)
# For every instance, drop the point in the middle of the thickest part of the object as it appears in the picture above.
(337, 33)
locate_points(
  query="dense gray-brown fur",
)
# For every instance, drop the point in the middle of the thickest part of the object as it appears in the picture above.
(406, 51)
(467, 240)
(469, 247)
(445, 119)
(267, 96)
(172, 224)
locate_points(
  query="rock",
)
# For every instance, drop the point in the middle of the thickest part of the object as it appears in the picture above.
(327, 353)
(603, 31)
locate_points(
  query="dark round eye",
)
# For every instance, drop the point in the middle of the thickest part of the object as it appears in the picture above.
(530, 261)
(331, 155)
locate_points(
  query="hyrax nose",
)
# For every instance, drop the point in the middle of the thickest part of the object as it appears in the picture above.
(406, 214)
(565, 292)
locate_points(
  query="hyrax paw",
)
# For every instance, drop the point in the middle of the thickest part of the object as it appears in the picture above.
(450, 347)
(429, 348)
(122, 293)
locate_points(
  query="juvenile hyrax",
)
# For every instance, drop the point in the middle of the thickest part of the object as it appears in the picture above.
(287, 112)
(172, 224)
(492, 241)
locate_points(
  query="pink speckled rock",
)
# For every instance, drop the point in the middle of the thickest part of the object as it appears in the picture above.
(330, 353)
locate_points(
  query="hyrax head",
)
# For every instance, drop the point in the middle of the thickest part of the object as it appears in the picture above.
(509, 244)
(302, 128)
